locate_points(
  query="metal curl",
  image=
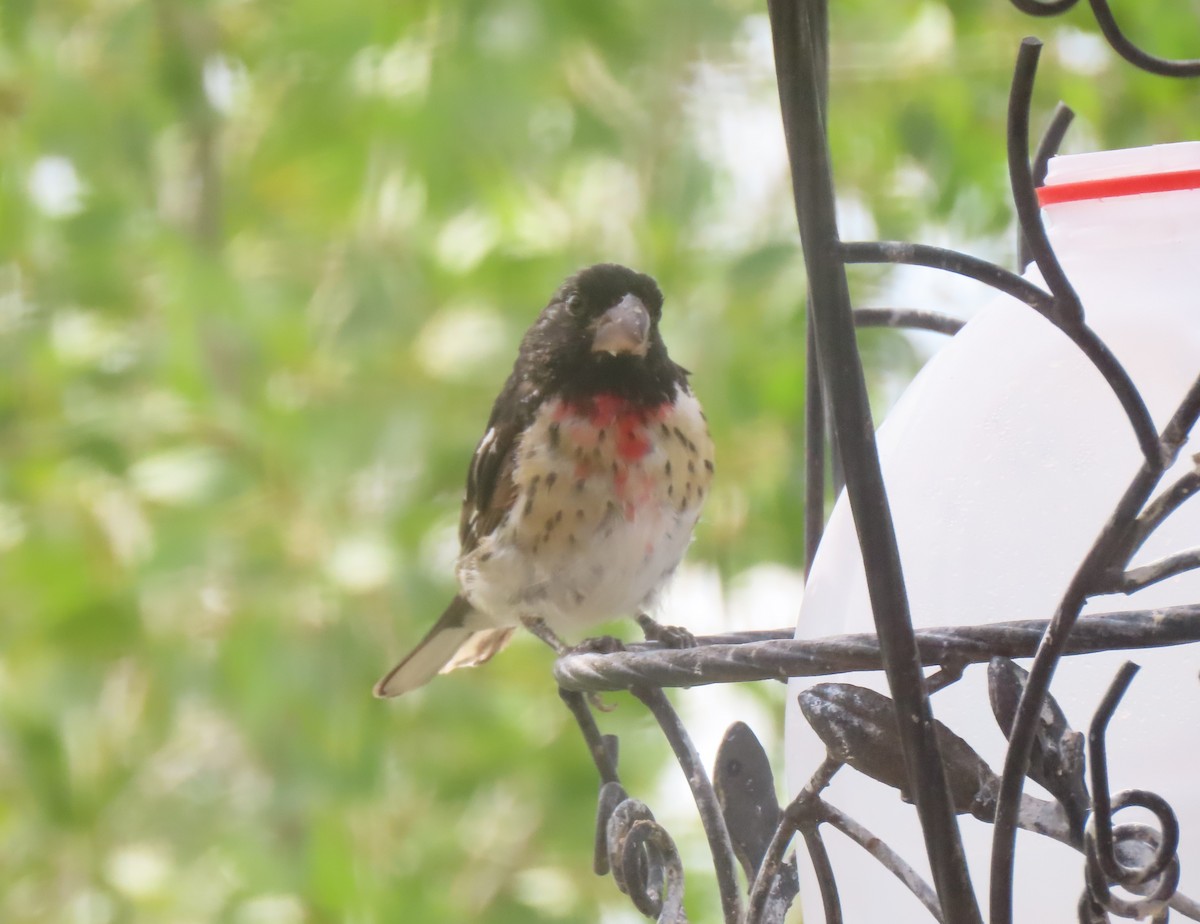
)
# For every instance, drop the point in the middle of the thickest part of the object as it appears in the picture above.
(1052, 139)
(1067, 311)
(1115, 36)
(908, 319)
(1157, 892)
(951, 261)
(1102, 850)
(1047, 8)
(1163, 67)
(644, 861)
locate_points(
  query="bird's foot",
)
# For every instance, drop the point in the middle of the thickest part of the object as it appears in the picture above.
(667, 636)
(601, 644)
(537, 626)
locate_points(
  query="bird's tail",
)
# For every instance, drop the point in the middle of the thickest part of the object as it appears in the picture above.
(447, 646)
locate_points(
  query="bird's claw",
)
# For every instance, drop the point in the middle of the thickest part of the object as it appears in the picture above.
(667, 636)
(601, 644)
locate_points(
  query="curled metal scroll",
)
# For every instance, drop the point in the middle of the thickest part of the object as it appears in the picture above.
(1113, 854)
(641, 856)
(1116, 37)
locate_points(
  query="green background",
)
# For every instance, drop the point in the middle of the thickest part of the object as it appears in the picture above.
(263, 267)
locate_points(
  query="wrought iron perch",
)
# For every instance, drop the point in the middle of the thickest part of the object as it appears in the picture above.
(895, 739)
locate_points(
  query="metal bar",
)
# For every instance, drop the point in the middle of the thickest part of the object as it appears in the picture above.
(1068, 312)
(719, 843)
(1043, 7)
(794, 30)
(952, 261)
(1052, 138)
(601, 751)
(908, 319)
(1153, 64)
(777, 656)
(798, 34)
(887, 857)
(823, 868)
(1163, 506)
(814, 449)
(1127, 582)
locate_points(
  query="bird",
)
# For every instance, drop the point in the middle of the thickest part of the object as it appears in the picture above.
(586, 486)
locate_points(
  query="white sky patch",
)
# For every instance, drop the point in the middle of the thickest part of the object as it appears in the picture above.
(287, 391)
(361, 564)
(375, 490)
(911, 180)
(621, 914)
(439, 549)
(549, 889)
(177, 476)
(1084, 53)
(399, 71)
(539, 225)
(139, 871)
(856, 221)
(270, 909)
(226, 83)
(465, 240)
(205, 746)
(12, 527)
(936, 290)
(55, 186)
(930, 38)
(551, 125)
(129, 534)
(400, 202)
(509, 29)
(15, 308)
(604, 198)
(90, 906)
(765, 597)
(163, 411)
(735, 116)
(457, 341)
(86, 338)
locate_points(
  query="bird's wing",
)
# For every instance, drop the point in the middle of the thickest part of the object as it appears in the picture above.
(491, 489)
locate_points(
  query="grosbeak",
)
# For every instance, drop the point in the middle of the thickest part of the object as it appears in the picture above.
(584, 490)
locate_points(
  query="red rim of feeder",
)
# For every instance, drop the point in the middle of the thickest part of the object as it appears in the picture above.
(1113, 187)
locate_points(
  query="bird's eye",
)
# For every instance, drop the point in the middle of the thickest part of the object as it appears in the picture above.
(574, 303)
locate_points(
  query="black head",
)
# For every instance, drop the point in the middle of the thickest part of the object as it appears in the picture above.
(599, 334)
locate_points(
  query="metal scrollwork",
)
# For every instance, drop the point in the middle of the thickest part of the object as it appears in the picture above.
(746, 827)
(641, 856)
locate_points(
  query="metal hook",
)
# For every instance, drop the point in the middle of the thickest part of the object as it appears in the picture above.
(1110, 855)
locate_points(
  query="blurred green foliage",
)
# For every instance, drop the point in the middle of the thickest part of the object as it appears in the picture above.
(263, 267)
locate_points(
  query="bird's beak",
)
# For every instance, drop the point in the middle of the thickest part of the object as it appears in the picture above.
(624, 328)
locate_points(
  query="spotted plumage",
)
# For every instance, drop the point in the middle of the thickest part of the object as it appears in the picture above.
(588, 481)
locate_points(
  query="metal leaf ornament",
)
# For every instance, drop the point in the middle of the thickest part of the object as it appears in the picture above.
(1057, 759)
(858, 726)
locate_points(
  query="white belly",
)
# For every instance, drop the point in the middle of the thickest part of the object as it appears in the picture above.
(604, 513)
